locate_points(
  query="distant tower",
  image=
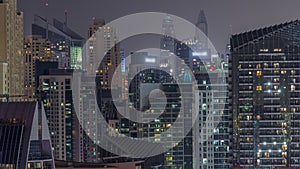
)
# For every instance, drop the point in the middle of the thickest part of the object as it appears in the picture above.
(167, 41)
(203, 26)
(202, 23)
(97, 24)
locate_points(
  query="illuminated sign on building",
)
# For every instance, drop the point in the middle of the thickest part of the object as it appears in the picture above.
(199, 53)
(123, 61)
(123, 66)
(76, 57)
(150, 60)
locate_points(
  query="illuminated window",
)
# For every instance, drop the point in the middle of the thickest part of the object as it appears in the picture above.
(258, 66)
(283, 72)
(266, 65)
(284, 147)
(277, 50)
(276, 65)
(284, 161)
(275, 87)
(267, 154)
(264, 50)
(258, 73)
(249, 118)
(276, 79)
(169, 158)
(248, 139)
(284, 154)
(283, 109)
(284, 132)
(293, 72)
(259, 88)
(258, 154)
(293, 87)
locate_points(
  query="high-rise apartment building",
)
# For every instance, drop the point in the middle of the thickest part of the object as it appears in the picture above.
(212, 130)
(36, 49)
(264, 96)
(102, 57)
(102, 43)
(66, 134)
(11, 49)
(65, 42)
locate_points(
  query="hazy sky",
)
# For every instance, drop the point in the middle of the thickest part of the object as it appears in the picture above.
(243, 15)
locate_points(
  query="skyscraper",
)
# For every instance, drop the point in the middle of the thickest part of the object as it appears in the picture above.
(212, 130)
(100, 68)
(202, 23)
(264, 96)
(56, 95)
(11, 49)
(25, 140)
(36, 49)
(102, 41)
(64, 41)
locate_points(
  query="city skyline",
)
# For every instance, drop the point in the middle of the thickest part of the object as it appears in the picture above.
(150, 89)
(242, 16)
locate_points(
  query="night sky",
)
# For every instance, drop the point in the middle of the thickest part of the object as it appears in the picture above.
(243, 15)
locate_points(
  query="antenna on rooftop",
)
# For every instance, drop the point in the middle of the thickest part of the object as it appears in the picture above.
(66, 17)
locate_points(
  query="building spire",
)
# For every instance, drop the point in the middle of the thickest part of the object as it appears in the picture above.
(202, 22)
(202, 30)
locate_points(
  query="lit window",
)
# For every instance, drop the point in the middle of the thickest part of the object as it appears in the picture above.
(258, 154)
(258, 66)
(267, 154)
(249, 118)
(283, 72)
(284, 147)
(259, 88)
(293, 87)
(276, 65)
(277, 50)
(276, 79)
(258, 73)
(293, 72)
(266, 65)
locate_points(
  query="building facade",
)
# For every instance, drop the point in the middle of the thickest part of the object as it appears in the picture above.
(25, 141)
(55, 90)
(11, 49)
(36, 49)
(264, 85)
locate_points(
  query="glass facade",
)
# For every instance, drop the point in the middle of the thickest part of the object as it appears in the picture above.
(264, 83)
(20, 143)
